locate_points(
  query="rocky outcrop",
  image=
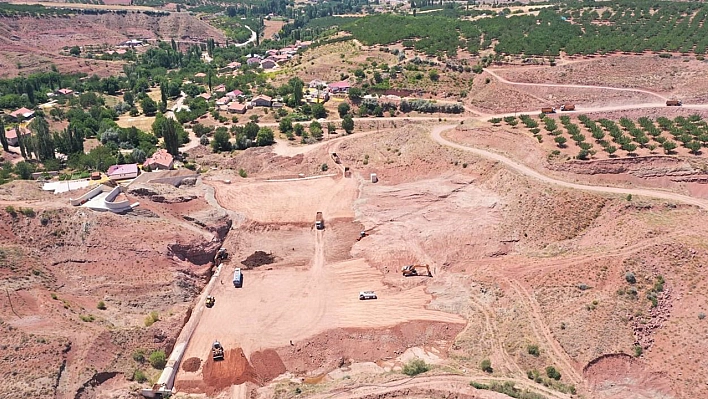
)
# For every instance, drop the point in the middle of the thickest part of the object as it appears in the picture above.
(198, 253)
(677, 169)
(163, 193)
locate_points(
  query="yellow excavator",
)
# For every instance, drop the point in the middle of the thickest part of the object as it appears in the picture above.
(415, 270)
(217, 351)
(221, 256)
(210, 301)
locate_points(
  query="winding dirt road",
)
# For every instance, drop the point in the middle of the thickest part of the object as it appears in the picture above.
(436, 135)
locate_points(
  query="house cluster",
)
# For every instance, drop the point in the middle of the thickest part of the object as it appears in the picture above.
(235, 101)
(64, 92)
(273, 57)
(160, 160)
(318, 91)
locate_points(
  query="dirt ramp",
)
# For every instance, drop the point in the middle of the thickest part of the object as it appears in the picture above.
(235, 369)
(620, 376)
(267, 364)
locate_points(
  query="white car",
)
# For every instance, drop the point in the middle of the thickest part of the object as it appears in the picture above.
(367, 295)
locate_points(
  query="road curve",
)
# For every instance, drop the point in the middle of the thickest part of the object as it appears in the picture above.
(436, 132)
(503, 80)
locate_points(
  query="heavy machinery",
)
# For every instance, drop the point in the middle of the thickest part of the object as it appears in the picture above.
(335, 158)
(568, 107)
(548, 110)
(221, 255)
(210, 301)
(319, 221)
(363, 295)
(674, 103)
(414, 270)
(217, 351)
(362, 235)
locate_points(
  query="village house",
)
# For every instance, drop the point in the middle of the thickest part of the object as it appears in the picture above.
(22, 113)
(262, 101)
(268, 64)
(235, 94)
(223, 101)
(200, 75)
(11, 135)
(205, 96)
(315, 83)
(339, 87)
(64, 92)
(161, 159)
(122, 172)
(236, 108)
(219, 89)
(234, 65)
(253, 61)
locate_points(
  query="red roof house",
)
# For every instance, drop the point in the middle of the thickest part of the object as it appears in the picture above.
(161, 159)
(125, 171)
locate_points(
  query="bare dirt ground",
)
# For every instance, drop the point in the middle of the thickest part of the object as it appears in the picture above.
(272, 27)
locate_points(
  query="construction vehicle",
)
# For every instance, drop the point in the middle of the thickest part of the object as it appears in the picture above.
(413, 270)
(362, 235)
(221, 255)
(568, 107)
(210, 301)
(367, 295)
(673, 103)
(238, 278)
(548, 110)
(335, 158)
(319, 221)
(347, 172)
(217, 351)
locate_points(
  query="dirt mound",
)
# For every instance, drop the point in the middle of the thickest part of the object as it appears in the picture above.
(233, 370)
(618, 375)
(192, 364)
(258, 258)
(267, 364)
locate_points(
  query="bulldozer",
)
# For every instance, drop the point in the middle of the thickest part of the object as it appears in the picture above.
(210, 301)
(221, 256)
(217, 351)
(412, 270)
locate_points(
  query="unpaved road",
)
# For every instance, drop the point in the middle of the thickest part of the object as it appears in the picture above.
(436, 135)
(503, 80)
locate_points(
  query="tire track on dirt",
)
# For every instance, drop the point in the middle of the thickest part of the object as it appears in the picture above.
(557, 354)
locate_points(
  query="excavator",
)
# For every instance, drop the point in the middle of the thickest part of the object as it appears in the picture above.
(221, 256)
(210, 301)
(217, 351)
(362, 235)
(413, 270)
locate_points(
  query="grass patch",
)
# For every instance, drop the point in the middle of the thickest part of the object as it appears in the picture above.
(88, 318)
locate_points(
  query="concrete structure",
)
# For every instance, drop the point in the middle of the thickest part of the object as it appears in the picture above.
(66, 185)
(161, 159)
(122, 172)
(101, 199)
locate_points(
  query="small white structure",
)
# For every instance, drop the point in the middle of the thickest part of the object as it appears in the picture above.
(374, 178)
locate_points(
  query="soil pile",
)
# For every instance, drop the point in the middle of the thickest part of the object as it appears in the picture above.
(258, 258)
(267, 364)
(192, 364)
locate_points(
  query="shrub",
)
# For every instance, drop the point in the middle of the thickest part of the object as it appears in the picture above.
(477, 385)
(54, 296)
(638, 350)
(101, 305)
(87, 318)
(533, 350)
(324, 167)
(629, 197)
(29, 212)
(151, 318)
(139, 376)
(139, 355)
(551, 372)
(701, 316)
(415, 367)
(158, 359)
(242, 173)
(11, 211)
(486, 366)
(629, 276)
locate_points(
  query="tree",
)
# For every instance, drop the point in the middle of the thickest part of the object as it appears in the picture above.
(251, 130)
(171, 137)
(24, 170)
(486, 366)
(158, 359)
(319, 111)
(163, 95)
(348, 124)
(316, 130)
(204, 140)
(138, 155)
(3, 138)
(560, 140)
(343, 108)
(331, 128)
(149, 106)
(694, 146)
(355, 94)
(265, 137)
(128, 98)
(221, 141)
(434, 75)
(21, 143)
(551, 372)
(75, 51)
(285, 125)
(668, 146)
(296, 85)
(298, 129)
(43, 142)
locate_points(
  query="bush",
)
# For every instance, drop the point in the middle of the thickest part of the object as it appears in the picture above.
(486, 366)
(242, 173)
(54, 296)
(139, 376)
(638, 350)
(101, 305)
(139, 355)
(551, 372)
(701, 316)
(629, 276)
(11, 211)
(415, 367)
(87, 318)
(533, 350)
(151, 318)
(324, 167)
(477, 385)
(158, 359)
(29, 212)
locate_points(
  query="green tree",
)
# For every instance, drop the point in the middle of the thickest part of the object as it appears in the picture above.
(251, 129)
(265, 137)
(331, 128)
(668, 146)
(343, 108)
(285, 125)
(298, 129)
(171, 137)
(138, 155)
(297, 85)
(163, 95)
(43, 141)
(486, 366)
(694, 146)
(319, 111)
(560, 140)
(434, 75)
(158, 359)
(149, 106)
(128, 98)
(355, 94)
(75, 51)
(24, 170)
(3, 137)
(22, 143)
(316, 130)
(348, 124)
(221, 141)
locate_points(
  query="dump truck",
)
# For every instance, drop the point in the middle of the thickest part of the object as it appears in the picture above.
(413, 270)
(568, 107)
(238, 278)
(210, 301)
(548, 110)
(674, 103)
(217, 351)
(319, 221)
(335, 158)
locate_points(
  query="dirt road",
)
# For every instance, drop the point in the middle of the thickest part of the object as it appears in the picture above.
(436, 135)
(503, 80)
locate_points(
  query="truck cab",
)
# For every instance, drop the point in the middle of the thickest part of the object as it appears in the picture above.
(319, 221)
(238, 278)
